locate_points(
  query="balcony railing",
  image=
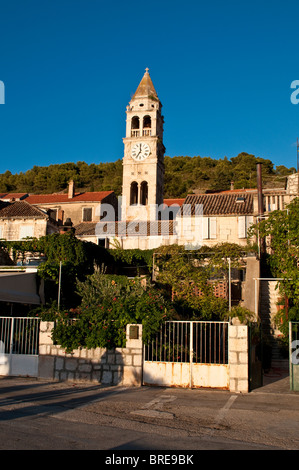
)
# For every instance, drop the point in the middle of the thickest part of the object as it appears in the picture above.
(145, 132)
(135, 133)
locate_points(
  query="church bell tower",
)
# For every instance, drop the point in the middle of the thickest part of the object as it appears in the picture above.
(143, 162)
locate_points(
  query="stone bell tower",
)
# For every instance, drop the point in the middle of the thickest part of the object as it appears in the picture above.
(143, 162)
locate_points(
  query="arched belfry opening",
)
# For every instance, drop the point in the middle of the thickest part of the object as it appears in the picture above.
(147, 122)
(144, 193)
(135, 125)
(135, 122)
(147, 125)
(134, 193)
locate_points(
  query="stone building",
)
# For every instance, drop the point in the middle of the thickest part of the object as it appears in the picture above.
(76, 206)
(147, 220)
(19, 220)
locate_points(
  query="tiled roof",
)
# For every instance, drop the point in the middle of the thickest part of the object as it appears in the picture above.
(20, 209)
(240, 203)
(58, 198)
(13, 196)
(85, 228)
(170, 202)
(121, 229)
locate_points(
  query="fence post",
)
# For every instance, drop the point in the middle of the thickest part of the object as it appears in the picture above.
(238, 352)
(46, 360)
(133, 366)
(191, 353)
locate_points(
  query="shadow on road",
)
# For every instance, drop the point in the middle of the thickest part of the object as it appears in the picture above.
(47, 398)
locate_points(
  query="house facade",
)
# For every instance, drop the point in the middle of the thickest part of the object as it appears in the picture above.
(76, 207)
(19, 220)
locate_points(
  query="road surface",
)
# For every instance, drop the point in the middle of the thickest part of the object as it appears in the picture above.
(40, 415)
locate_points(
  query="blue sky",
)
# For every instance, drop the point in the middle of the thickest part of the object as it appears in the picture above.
(222, 70)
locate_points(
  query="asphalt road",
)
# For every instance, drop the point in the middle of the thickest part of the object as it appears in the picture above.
(39, 415)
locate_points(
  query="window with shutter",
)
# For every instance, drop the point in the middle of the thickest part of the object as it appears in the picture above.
(209, 228)
(87, 214)
(244, 222)
(26, 231)
(213, 228)
(242, 226)
(205, 230)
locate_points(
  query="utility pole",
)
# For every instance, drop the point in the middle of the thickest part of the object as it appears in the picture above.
(59, 285)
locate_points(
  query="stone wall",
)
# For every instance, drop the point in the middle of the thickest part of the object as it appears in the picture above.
(120, 366)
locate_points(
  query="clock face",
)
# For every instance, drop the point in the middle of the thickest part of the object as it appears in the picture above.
(140, 151)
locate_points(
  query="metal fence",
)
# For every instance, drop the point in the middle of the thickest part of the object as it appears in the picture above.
(19, 335)
(189, 341)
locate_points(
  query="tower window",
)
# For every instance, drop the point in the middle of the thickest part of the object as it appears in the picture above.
(135, 122)
(134, 193)
(144, 193)
(135, 127)
(147, 122)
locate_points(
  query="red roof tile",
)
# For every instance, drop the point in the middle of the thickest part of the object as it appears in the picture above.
(57, 198)
(13, 196)
(170, 202)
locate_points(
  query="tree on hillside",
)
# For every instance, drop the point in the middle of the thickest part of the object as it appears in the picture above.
(183, 175)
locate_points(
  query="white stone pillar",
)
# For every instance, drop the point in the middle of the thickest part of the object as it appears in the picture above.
(238, 357)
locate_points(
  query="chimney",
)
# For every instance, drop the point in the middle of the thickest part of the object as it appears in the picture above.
(261, 241)
(232, 185)
(71, 193)
(260, 190)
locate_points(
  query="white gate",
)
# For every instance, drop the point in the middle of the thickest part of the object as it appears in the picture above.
(19, 343)
(188, 354)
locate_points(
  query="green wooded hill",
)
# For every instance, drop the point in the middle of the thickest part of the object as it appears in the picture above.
(183, 175)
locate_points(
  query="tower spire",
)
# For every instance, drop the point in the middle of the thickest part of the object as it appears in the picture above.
(146, 87)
